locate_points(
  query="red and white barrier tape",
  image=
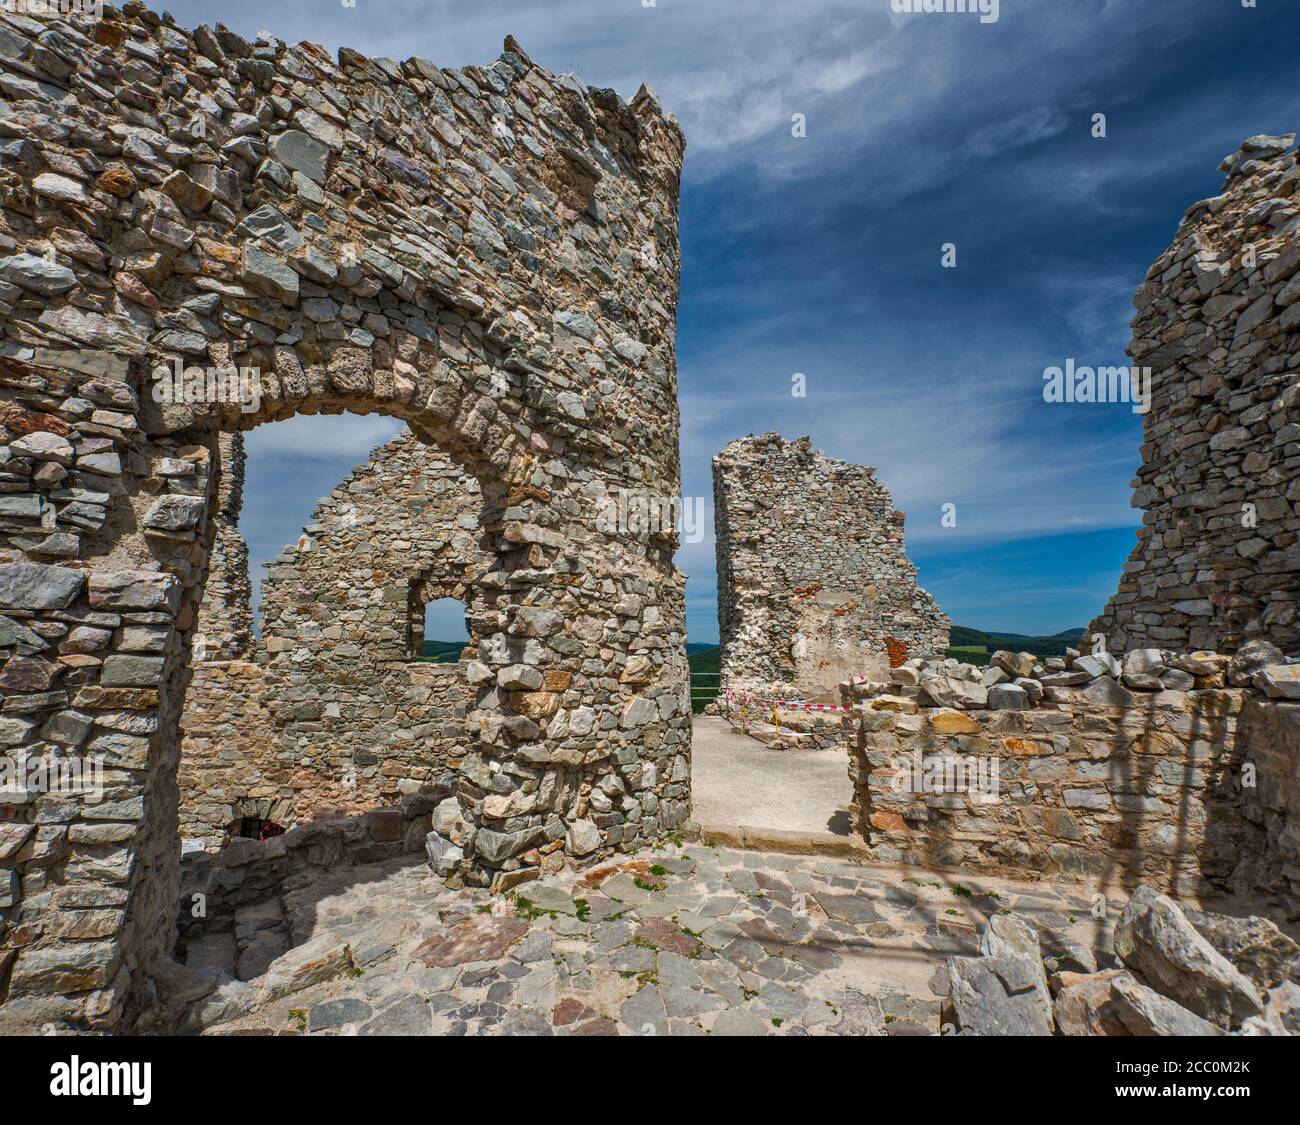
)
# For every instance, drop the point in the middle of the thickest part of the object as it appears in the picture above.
(787, 704)
(813, 707)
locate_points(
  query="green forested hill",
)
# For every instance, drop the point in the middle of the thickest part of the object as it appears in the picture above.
(975, 646)
(704, 688)
(972, 645)
(443, 652)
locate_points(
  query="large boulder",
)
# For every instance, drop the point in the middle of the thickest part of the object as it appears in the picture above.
(1155, 939)
(449, 820)
(1261, 951)
(1279, 681)
(1097, 664)
(1085, 1003)
(1253, 656)
(444, 856)
(1143, 668)
(997, 996)
(1143, 662)
(1145, 1012)
(1062, 954)
(1003, 991)
(1105, 691)
(1008, 697)
(943, 689)
(583, 837)
(228, 1001)
(33, 586)
(1005, 935)
(1283, 1007)
(321, 959)
(1201, 663)
(1014, 663)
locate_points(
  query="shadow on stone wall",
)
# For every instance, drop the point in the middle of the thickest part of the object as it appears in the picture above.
(1190, 792)
(250, 902)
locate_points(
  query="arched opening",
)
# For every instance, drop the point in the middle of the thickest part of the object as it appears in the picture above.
(341, 710)
(292, 469)
(337, 731)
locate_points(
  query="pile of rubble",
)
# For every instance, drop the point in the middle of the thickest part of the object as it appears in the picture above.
(799, 727)
(1176, 972)
(1019, 681)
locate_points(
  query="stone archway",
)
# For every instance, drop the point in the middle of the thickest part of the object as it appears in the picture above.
(330, 709)
(489, 254)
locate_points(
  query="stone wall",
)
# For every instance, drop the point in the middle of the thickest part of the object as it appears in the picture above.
(1272, 804)
(489, 254)
(230, 763)
(337, 713)
(1218, 323)
(814, 584)
(225, 619)
(259, 896)
(1101, 771)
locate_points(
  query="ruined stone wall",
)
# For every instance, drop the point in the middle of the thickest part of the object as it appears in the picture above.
(336, 712)
(230, 761)
(272, 880)
(1218, 323)
(489, 254)
(814, 584)
(1271, 742)
(225, 620)
(1097, 769)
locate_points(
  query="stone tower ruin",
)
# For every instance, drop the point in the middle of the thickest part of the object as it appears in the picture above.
(814, 585)
(1217, 561)
(201, 234)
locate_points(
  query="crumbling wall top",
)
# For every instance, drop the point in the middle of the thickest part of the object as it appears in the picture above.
(814, 584)
(1217, 562)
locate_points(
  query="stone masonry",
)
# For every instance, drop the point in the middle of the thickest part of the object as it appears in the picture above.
(329, 709)
(1218, 323)
(814, 584)
(1174, 770)
(489, 254)
(225, 621)
(257, 892)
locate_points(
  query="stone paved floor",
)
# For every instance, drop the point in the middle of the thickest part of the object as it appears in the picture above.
(680, 941)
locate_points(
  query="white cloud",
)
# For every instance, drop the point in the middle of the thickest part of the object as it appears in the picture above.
(323, 436)
(1027, 127)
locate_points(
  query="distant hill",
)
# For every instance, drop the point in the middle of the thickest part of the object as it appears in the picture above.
(443, 652)
(703, 660)
(975, 646)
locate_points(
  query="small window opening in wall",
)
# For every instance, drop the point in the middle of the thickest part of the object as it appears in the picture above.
(255, 828)
(445, 635)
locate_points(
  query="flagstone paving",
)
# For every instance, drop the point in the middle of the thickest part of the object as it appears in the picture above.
(687, 940)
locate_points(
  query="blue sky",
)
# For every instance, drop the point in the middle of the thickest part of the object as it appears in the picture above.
(821, 254)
